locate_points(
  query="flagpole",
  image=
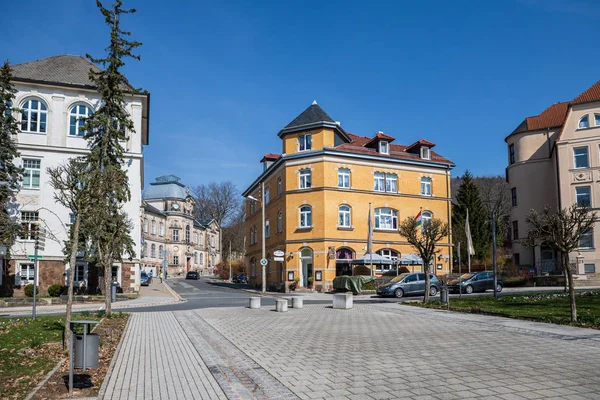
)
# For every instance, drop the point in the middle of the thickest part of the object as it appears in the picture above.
(370, 244)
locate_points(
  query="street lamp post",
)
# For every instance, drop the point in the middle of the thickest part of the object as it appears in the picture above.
(262, 204)
(494, 254)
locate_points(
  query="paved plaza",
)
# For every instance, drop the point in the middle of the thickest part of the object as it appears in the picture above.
(384, 351)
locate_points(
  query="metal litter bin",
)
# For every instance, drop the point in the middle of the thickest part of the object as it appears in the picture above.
(113, 292)
(444, 294)
(87, 348)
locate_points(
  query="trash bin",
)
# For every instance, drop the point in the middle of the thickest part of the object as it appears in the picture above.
(444, 294)
(92, 344)
(113, 292)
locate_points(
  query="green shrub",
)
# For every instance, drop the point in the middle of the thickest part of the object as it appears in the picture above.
(369, 286)
(55, 290)
(515, 281)
(310, 281)
(29, 290)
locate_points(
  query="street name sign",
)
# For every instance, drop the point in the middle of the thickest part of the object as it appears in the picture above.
(278, 253)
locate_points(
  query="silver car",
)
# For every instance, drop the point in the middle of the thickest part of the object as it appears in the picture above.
(409, 284)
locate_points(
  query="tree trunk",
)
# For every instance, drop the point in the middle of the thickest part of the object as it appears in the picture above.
(107, 287)
(565, 268)
(71, 276)
(427, 280)
(569, 279)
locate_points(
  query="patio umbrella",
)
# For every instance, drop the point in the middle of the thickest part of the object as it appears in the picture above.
(372, 258)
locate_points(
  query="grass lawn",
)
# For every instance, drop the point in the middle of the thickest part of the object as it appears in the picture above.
(29, 350)
(542, 307)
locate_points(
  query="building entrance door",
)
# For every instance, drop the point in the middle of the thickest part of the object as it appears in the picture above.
(306, 261)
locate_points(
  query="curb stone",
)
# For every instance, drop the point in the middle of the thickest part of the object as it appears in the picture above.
(112, 362)
(174, 293)
(43, 382)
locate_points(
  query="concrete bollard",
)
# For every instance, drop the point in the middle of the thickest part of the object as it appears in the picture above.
(281, 305)
(254, 302)
(342, 301)
(297, 302)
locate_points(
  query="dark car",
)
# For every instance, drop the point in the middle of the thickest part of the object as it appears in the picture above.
(474, 282)
(409, 284)
(145, 279)
(192, 275)
(240, 278)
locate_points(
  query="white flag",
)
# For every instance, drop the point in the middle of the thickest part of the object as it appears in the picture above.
(470, 248)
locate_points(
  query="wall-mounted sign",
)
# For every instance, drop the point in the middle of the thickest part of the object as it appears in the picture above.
(279, 253)
(278, 259)
(290, 275)
(318, 275)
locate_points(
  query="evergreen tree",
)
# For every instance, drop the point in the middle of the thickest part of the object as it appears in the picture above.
(10, 174)
(467, 197)
(106, 224)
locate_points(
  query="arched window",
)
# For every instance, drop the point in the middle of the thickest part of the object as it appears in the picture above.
(145, 250)
(195, 237)
(305, 216)
(387, 253)
(145, 225)
(279, 222)
(344, 216)
(187, 233)
(201, 258)
(426, 186)
(253, 267)
(153, 227)
(160, 252)
(584, 122)
(33, 116)
(425, 217)
(161, 229)
(386, 218)
(77, 116)
(195, 258)
(153, 251)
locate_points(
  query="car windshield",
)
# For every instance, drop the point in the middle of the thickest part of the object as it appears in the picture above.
(144, 275)
(399, 277)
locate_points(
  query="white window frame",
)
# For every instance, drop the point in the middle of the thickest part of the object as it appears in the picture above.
(591, 234)
(175, 235)
(305, 216)
(426, 186)
(596, 119)
(80, 273)
(267, 195)
(31, 166)
(201, 259)
(384, 147)
(379, 182)
(161, 229)
(386, 219)
(29, 275)
(145, 225)
(196, 237)
(187, 234)
(587, 155)
(28, 219)
(152, 250)
(305, 179)
(77, 119)
(279, 222)
(195, 257)
(305, 142)
(426, 217)
(161, 253)
(391, 183)
(344, 216)
(387, 253)
(344, 178)
(585, 120)
(589, 195)
(153, 227)
(425, 153)
(175, 260)
(41, 113)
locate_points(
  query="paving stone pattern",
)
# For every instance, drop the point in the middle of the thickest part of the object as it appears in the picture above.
(369, 353)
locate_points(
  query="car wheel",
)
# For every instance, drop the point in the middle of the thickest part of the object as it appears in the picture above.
(469, 289)
(498, 288)
(433, 291)
(398, 293)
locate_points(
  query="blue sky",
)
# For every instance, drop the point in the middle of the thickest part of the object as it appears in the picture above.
(225, 76)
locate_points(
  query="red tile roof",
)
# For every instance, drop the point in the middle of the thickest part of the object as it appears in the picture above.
(552, 116)
(271, 157)
(419, 143)
(380, 136)
(591, 94)
(396, 150)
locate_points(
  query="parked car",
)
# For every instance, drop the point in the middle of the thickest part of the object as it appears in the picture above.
(409, 284)
(474, 282)
(240, 278)
(192, 275)
(145, 279)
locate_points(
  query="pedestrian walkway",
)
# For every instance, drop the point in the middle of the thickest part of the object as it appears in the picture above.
(382, 351)
(156, 294)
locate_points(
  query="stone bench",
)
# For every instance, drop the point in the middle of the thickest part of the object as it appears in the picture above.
(342, 301)
(254, 302)
(281, 305)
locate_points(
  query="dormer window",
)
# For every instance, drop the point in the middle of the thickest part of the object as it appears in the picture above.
(304, 142)
(425, 153)
(384, 147)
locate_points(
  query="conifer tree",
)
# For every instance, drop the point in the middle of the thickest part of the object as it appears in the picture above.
(467, 197)
(10, 174)
(107, 226)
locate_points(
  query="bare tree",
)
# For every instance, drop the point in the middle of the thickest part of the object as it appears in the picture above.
(424, 240)
(218, 201)
(234, 232)
(561, 230)
(495, 194)
(70, 183)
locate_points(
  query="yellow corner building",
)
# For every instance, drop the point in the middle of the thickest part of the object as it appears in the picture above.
(316, 195)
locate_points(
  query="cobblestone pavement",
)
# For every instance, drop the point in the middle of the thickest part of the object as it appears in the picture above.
(369, 352)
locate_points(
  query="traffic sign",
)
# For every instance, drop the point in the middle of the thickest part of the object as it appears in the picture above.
(33, 256)
(263, 261)
(278, 253)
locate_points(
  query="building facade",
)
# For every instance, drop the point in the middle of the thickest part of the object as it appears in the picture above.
(554, 160)
(53, 94)
(172, 237)
(317, 194)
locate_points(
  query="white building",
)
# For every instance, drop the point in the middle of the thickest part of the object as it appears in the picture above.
(52, 94)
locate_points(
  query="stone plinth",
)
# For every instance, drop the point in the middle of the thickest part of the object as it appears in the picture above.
(342, 301)
(297, 302)
(281, 305)
(254, 302)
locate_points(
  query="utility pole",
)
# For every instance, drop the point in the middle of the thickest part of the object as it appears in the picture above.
(264, 255)
(230, 276)
(494, 254)
(37, 244)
